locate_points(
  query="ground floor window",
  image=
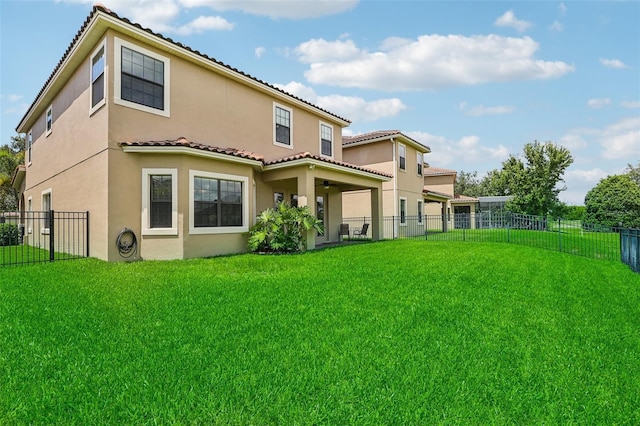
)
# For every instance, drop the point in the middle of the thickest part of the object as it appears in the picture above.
(420, 210)
(217, 202)
(403, 211)
(159, 201)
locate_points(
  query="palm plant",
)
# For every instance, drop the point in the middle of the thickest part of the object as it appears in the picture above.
(281, 230)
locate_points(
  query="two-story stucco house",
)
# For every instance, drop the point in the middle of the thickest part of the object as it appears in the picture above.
(148, 134)
(456, 210)
(394, 153)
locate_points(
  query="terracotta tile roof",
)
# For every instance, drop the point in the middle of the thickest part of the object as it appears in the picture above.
(348, 140)
(98, 8)
(437, 171)
(308, 155)
(464, 199)
(377, 135)
(184, 142)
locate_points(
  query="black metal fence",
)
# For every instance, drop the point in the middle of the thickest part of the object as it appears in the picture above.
(43, 236)
(561, 235)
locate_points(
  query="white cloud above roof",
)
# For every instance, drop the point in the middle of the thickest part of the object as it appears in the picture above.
(351, 107)
(446, 152)
(481, 110)
(427, 62)
(278, 9)
(508, 19)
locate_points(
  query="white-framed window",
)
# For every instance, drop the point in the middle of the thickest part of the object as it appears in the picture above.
(420, 161)
(218, 203)
(29, 145)
(141, 79)
(47, 206)
(402, 156)
(420, 211)
(98, 92)
(159, 201)
(326, 140)
(29, 215)
(403, 211)
(282, 126)
(48, 121)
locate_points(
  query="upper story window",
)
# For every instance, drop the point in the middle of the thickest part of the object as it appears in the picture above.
(282, 128)
(98, 81)
(141, 79)
(159, 201)
(326, 140)
(420, 160)
(402, 156)
(29, 144)
(49, 120)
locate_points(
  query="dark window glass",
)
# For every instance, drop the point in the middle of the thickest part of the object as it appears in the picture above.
(97, 78)
(326, 137)
(403, 157)
(142, 79)
(161, 199)
(216, 203)
(283, 126)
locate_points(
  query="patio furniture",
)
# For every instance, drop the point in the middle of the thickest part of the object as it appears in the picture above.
(362, 232)
(344, 230)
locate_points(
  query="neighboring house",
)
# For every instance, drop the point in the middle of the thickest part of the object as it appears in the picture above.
(148, 134)
(397, 154)
(441, 200)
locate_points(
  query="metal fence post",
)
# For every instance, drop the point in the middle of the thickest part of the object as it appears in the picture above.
(559, 235)
(52, 234)
(87, 231)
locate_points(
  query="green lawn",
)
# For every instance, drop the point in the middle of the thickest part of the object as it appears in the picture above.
(397, 332)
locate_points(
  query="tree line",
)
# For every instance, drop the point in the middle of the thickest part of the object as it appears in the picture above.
(535, 179)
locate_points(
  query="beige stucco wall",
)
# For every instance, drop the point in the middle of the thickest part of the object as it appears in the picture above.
(440, 183)
(213, 109)
(72, 160)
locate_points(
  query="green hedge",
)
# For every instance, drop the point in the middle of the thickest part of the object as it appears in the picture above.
(9, 234)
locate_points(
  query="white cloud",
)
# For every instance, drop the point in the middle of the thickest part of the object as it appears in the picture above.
(508, 19)
(13, 98)
(481, 110)
(621, 140)
(630, 104)
(161, 16)
(204, 23)
(452, 60)
(572, 141)
(353, 108)
(613, 63)
(468, 150)
(598, 103)
(578, 183)
(562, 8)
(320, 50)
(557, 26)
(259, 51)
(277, 9)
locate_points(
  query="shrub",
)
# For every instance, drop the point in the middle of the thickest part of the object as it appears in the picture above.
(280, 230)
(9, 234)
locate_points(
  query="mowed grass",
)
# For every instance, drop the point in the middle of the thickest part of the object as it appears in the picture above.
(397, 332)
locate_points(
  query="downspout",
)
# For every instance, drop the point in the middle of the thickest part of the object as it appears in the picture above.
(395, 186)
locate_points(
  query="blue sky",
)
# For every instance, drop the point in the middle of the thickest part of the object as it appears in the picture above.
(473, 80)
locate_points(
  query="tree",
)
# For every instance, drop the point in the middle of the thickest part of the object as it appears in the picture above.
(634, 173)
(614, 201)
(468, 184)
(534, 182)
(11, 156)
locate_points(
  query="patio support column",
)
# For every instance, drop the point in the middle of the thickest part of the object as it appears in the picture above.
(377, 220)
(307, 197)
